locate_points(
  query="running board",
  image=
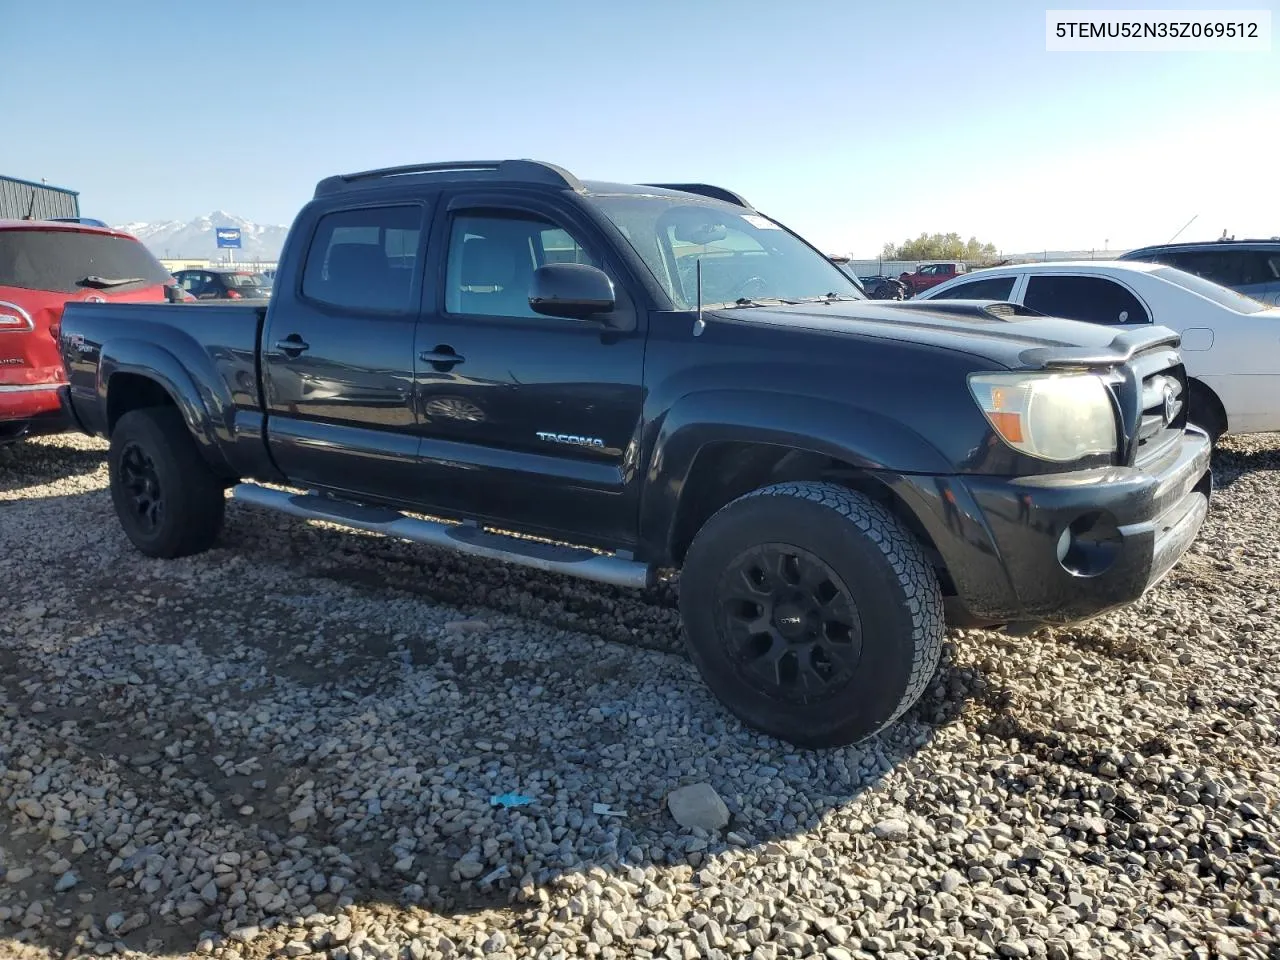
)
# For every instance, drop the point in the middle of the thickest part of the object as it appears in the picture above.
(464, 537)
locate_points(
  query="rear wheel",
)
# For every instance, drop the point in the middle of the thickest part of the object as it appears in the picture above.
(169, 502)
(811, 612)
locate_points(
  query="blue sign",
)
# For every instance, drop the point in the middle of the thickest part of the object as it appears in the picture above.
(228, 237)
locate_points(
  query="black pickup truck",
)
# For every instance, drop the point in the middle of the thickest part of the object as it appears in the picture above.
(620, 381)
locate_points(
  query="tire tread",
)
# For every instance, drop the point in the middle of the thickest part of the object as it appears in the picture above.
(903, 553)
(200, 500)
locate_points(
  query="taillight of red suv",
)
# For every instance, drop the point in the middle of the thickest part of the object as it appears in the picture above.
(13, 319)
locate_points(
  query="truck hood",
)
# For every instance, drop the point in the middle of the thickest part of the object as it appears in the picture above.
(983, 329)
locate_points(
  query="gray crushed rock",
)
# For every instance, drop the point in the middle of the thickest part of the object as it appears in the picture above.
(288, 746)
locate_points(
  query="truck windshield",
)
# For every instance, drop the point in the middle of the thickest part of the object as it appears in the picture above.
(746, 257)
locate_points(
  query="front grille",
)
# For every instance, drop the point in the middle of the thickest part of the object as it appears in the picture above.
(1162, 412)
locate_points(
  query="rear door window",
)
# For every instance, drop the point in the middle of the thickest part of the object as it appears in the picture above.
(1092, 299)
(366, 259)
(1218, 266)
(68, 261)
(1259, 266)
(988, 288)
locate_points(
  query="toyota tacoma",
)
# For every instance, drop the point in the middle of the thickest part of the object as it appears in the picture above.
(625, 382)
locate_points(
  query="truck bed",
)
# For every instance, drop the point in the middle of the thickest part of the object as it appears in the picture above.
(207, 353)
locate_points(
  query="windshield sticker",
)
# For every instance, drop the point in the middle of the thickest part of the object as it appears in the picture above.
(761, 223)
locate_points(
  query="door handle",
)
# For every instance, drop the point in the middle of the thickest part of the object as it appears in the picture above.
(440, 356)
(292, 345)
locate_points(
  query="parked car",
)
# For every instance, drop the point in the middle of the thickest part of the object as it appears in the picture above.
(1230, 342)
(1251, 267)
(929, 275)
(44, 264)
(671, 380)
(880, 287)
(224, 283)
(875, 287)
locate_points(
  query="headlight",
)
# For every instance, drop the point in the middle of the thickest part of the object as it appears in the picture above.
(1055, 416)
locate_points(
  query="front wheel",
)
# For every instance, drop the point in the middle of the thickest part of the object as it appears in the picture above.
(169, 502)
(811, 613)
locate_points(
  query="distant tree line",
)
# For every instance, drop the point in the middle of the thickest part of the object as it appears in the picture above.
(939, 246)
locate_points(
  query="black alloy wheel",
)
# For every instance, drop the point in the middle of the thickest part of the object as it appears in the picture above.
(169, 501)
(141, 483)
(792, 626)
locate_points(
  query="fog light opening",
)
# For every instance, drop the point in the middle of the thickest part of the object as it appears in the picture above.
(1089, 545)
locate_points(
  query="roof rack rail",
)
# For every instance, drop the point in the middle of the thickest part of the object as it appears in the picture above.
(706, 190)
(525, 171)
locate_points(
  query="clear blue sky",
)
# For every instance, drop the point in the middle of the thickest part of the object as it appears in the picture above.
(853, 122)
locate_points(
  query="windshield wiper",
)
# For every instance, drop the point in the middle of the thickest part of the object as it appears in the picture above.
(766, 301)
(101, 282)
(826, 298)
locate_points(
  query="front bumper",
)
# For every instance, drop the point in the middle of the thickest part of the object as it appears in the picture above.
(1065, 547)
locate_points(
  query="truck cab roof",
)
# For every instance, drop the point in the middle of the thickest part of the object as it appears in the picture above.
(523, 171)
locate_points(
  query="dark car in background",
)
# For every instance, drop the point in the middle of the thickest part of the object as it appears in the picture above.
(224, 283)
(884, 288)
(1251, 267)
(874, 287)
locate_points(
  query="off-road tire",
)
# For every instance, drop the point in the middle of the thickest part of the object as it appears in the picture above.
(192, 496)
(891, 583)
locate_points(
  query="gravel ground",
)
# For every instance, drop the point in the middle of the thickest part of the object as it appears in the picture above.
(289, 745)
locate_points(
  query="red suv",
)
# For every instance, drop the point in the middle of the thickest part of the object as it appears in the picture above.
(44, 264)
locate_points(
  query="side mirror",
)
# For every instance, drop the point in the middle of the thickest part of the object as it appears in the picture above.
(574, 290)
(173, 293)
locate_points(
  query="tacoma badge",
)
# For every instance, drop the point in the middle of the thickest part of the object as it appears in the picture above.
(570, 438)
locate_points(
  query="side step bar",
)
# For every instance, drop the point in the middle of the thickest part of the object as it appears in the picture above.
(463, 537)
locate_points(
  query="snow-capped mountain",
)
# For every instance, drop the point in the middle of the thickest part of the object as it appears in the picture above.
(174, 239)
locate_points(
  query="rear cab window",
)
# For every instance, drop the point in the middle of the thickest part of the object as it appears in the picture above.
(72, 261)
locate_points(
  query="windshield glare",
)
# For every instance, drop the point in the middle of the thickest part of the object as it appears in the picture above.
(744, 255)
(1219, 294)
